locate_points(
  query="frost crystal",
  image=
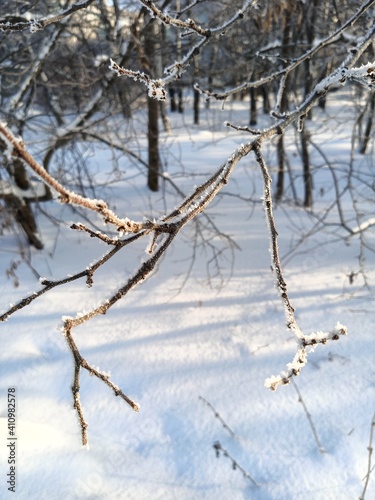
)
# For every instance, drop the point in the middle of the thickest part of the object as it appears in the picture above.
(365, 75)
(35, 26)
(156, 90)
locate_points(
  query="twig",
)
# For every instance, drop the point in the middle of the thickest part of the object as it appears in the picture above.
(268, 207)
(304, 341)
(174, 72)
(80, 362)
(39, 24)
(219, 417)
(283, 73)
(235, 465)
(16, 147)
(309, 417)
(369, 467)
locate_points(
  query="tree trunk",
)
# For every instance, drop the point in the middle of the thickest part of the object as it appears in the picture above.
(152, 49)
(253, 107)
(180, 100)
(266, 101)
(284, 105)
(153, 144)
(23, 214)
(196, 106)
(172, 97)
(307, 179)
(164, 117)
(19, 207)
(367, 134)
(281, 171)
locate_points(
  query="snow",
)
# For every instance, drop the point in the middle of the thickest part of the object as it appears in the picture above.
(173, 349)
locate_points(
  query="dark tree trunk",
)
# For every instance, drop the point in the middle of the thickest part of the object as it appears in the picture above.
(172, 97)
(307, 179)
(180, 101)
(196, 106)
(152, 47)
(23, 214)
(284, 105)
(19, 207)
(153, 144)
(266, 101)
(367, 134)
(281, 171)
(253, 107)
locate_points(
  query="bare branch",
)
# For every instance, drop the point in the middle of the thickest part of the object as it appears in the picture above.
(351, 58)
(219, 417)
(39, 24)
(156, 87)
(370, 468)
(309, 417)
(235, 465)
(16, 147)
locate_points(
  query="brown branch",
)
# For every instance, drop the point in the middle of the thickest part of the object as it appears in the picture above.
(17, 148)
(80, 362)
(268, 207)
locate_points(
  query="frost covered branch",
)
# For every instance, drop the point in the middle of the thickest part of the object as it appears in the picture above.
(16, 148)
(304, 341)
(39, 24)
(164, 229)
(80, 362)
(156, 88)
(294, 368)
(293, 65)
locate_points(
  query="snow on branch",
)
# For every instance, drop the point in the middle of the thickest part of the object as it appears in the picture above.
(284, 72)
(164, 229)
(16, 147)
(190, 24)
(364, 75)
(155, 87)
(304, 341)
(168, 20)
(294, 368)
(39, 24)
(363, 226)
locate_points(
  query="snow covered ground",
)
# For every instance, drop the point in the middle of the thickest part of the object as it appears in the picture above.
(180, 352)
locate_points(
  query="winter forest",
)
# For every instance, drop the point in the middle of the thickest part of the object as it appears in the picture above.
(187, 249)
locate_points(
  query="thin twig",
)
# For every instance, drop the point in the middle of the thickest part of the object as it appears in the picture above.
(219, 417)
(309, 418)
(39, 24)
(235, 465)
(370, 468)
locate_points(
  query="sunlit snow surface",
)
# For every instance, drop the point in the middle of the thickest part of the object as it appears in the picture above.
(166, 346)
